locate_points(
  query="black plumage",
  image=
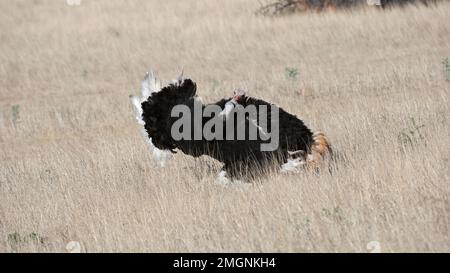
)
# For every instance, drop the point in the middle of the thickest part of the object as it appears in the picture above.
(241, 158)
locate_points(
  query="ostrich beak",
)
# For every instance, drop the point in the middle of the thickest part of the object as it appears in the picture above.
(238, 94)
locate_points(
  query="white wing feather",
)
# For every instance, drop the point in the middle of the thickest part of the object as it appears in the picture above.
(292, 165)
(150, 84)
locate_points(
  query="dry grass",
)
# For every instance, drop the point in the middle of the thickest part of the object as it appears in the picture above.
(75, 168)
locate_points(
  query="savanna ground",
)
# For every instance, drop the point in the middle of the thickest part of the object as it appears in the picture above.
(74, 166)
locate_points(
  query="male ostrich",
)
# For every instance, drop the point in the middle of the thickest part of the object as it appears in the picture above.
(243, 156)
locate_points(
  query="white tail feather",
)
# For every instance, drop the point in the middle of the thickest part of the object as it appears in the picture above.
(136, 102)
(150, 84)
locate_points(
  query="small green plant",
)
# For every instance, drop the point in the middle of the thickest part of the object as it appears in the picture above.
(412, 134)
(446, 67)
(291, 73)
(334, 213)
(15, 110)
(16, 238)
(215, 85)
(35, 238)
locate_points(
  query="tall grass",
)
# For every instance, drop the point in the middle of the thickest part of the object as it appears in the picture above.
(74, 170)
